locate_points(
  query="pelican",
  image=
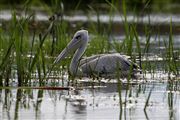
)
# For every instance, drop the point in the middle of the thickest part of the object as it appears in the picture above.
(102, 65)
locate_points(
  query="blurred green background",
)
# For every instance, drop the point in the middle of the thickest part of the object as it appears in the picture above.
(132, 5)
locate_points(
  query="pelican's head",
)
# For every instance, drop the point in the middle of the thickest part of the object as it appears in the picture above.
(79, 41)
(81, 35)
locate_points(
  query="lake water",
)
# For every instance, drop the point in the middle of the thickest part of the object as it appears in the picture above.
(100, 102)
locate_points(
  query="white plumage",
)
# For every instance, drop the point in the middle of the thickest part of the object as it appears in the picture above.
(102, 65)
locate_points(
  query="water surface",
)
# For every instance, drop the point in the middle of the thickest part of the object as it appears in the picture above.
(92, 103)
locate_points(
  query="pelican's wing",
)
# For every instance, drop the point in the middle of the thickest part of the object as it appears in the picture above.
(107, 64)
(88, 59)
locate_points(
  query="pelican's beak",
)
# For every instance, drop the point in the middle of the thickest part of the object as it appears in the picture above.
(71, 47)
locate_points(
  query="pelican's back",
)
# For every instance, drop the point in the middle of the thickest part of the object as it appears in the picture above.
(107, 65)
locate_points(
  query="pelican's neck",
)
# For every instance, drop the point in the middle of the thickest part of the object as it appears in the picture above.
(76, 58)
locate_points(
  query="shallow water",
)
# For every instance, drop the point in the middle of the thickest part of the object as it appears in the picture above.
(159, 22)
(158, 18)
(93, 103)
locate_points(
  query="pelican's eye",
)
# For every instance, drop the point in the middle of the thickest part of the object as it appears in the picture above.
(78, 37)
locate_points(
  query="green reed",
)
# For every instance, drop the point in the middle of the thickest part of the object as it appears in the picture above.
(6, 61)
(170, 53)
(15, 46)
(15, 38)
(149, 96)
(19, 28)
(97, 45)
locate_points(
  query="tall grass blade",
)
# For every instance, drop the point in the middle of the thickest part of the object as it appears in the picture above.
(40, 47)
(137, 45)
(147, 101)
